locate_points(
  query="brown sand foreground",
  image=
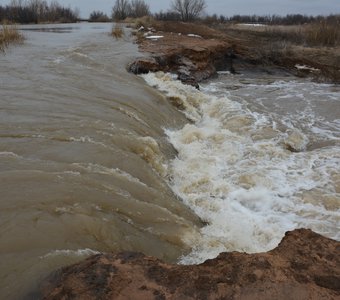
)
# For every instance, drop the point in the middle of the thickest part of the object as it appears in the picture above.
(305, 265)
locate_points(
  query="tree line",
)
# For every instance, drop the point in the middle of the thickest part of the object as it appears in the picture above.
(123, 9)
(191, 10)
(290, 19)
(37, 11)
(185, 10)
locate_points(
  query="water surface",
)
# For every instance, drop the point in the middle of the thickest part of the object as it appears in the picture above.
(83, 156)
(260, 157)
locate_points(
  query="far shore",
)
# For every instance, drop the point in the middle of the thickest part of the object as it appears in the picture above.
(302, 50)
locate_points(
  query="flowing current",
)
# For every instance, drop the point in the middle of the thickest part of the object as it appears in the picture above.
(94, 159)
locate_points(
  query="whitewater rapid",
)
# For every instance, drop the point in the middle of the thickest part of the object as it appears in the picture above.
(248, 173)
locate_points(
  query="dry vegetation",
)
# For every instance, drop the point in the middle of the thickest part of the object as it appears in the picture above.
(316, 45)
(146, 21)
(149, 22)
(37, 11)
(137, 23)
(321, 34)
(117, 31)
(324, 34)
(8, 35)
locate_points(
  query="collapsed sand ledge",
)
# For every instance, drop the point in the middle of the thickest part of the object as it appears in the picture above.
(305, 265)
(192, 58)
(195, 52)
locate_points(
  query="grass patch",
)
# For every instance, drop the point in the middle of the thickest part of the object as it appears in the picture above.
(140, 26)
(139, 35)
(274, 52)
(315, 45)
(9, 35)
(323, 34)
(136, 23)
(291, 34)
(117, 31)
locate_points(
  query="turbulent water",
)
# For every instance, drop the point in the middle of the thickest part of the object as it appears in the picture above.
(93, 158)
(260, 157)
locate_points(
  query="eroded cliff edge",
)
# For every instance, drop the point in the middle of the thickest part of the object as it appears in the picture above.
(195, 52)
(192, 58)
(305, 265)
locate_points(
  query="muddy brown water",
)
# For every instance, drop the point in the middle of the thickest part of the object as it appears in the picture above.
(81, 155)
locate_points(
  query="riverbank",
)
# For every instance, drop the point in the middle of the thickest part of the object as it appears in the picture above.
(305, 265)
(196, 51)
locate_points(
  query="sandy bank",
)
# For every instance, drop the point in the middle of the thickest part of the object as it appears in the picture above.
(305, 265)
(194, 52)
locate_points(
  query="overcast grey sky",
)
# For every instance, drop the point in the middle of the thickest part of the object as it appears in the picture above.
(225, 7)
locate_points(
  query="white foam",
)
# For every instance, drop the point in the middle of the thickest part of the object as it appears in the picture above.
(99, 169)
(87, 139)
(9, 154)
(58, 60)
(133, 115)
(194, 35)
(248, 190)
(74, 253)
(155, 37)
(224, 72)
(307, 68)
(81, 54)
(252, 24)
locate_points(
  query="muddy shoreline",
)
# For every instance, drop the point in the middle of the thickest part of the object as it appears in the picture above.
(195, 52)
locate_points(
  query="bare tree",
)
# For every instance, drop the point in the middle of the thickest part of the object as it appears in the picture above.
(39, 8)
(16, 3)
(139, 8)
(35, 11)
(121, 10)
(15, 7)
(98, 16)
(188, 9)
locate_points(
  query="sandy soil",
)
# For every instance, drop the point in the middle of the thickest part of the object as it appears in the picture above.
(256, 46)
